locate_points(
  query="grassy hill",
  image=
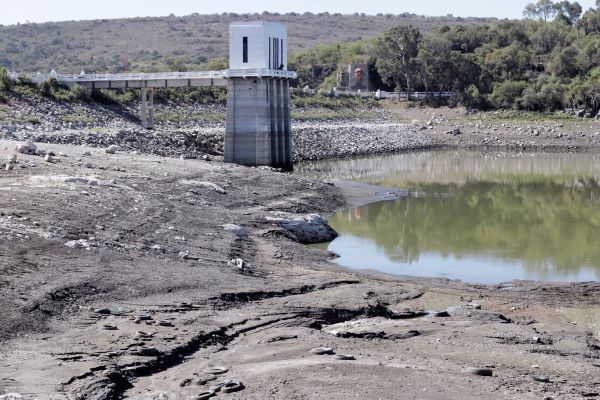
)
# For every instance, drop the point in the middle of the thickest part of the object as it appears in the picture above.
(154, 43)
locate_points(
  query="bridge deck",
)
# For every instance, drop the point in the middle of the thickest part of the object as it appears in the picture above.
(162, 79)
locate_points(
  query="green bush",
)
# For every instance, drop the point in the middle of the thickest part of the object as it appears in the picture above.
(506, 94)
(79, 93)
(6, 83)
(120, 97)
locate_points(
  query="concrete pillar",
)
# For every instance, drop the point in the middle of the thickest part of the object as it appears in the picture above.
(279, 131)
(273, 119)
(288, 162)
(151, 109)
(256, 125)
(144, 108)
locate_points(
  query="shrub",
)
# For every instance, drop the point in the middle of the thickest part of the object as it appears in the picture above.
(6, 83)
(79, 93)
(549, 97)
(506, 94)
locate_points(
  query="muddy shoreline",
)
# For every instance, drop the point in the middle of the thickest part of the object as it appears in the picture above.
(119, 285)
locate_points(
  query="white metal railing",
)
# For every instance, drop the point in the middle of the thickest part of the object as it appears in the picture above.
(380, 94)
(143, 76)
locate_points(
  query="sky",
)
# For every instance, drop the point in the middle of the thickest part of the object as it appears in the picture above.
(65, 10)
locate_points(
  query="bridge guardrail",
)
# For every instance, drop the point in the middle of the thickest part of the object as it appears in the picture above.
(143, 76)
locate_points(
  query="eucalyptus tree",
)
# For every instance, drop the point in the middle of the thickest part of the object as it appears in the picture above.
(544, 9)
(396, 52)
(569, 13)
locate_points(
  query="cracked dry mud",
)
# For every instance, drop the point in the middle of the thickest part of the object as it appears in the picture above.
(150, 302)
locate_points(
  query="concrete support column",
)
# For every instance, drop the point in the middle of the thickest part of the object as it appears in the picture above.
(256, 125)
(151, 109)
(288, 162)
(275, 155)
(279, 131)
(144, 108)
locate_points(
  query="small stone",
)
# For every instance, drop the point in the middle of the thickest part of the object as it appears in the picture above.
(441, 314)
(159, 249)
(108, 327)
(112, 149)
(146, 351)
(9, 166)
(184, 254)
(344, 357)
(235, 229)
(163, 322)
(215, 370)
(12, 158)
(479, 371)
(11, 396)
(232, 386)
(49, 158)
(86, 154)
(238, 263)
(204, 379)
(102, 311)
(207, 394)
(541, 378)
(321, 350)
(185, 382)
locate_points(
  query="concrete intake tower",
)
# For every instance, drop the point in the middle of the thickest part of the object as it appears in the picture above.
(258, 127)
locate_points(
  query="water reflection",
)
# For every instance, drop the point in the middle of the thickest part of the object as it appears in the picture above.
(477, 217)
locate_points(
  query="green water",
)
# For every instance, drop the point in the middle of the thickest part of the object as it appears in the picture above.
(472, 216)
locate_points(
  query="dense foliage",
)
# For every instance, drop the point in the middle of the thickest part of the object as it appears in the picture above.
(546, 62)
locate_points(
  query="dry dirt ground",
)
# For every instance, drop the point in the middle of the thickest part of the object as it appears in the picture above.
(142, 299)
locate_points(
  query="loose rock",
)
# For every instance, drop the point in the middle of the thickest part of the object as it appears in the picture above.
(321, 350)
(215, 370)
(479, 371)
(235, 229)
(112, 149)
(306, 228)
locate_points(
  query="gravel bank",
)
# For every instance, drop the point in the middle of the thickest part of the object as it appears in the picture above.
(312, 141)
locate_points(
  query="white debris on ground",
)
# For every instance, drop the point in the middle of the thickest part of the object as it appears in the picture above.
(235, 229)
(80, 244)
(205, 184)
(11, 396)
(69, 180)
(239, 264)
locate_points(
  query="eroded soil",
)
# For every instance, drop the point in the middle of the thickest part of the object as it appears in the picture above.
(142, 298)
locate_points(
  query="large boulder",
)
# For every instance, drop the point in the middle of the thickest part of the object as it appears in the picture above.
(305, 228)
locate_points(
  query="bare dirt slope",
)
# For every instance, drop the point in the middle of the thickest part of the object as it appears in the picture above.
(115, 283)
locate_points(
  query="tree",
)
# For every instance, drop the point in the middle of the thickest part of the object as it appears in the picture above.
(396, 53)
(434, 62)
(175, 64)
(569, 13)
(544, 9)
(590, 22)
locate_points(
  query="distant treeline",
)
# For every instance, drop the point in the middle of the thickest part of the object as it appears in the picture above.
(547, 62)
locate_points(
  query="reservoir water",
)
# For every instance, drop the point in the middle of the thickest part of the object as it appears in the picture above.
(477, 217)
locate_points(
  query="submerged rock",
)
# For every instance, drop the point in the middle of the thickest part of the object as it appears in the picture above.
(306, 228)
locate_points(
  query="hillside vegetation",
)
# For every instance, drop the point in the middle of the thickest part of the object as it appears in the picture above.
(547, 62)
(155, 44)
